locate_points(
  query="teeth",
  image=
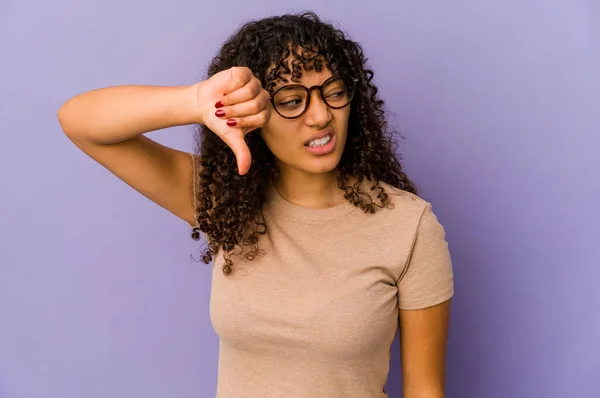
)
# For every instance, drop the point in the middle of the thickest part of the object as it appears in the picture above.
(320, 141)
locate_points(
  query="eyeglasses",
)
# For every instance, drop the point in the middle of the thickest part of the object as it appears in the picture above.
(292, 101)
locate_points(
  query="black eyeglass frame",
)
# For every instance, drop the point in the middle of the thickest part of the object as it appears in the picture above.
(309, 91)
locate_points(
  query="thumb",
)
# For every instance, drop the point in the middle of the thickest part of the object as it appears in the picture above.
(234, 139)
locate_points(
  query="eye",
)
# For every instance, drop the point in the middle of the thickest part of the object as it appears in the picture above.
(336, 94)
(290, 103)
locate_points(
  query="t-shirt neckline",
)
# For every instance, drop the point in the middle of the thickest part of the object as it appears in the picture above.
(281, 207)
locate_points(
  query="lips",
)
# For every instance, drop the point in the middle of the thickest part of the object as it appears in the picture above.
(321, 134)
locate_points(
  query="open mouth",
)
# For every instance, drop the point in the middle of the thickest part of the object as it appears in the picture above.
(317, 142)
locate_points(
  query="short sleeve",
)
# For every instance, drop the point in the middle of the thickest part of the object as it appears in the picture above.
(427, 278)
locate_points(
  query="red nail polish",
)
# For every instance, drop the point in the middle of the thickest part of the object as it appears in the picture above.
(219, 104)
(220, 113)
(231, 122)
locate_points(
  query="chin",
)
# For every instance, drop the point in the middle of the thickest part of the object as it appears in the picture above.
(325, 164)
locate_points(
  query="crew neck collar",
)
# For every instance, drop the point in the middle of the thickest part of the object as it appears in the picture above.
(285, 209)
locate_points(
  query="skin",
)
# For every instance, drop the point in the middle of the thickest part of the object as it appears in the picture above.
(307, 179)
(423, 337)
(109, 126)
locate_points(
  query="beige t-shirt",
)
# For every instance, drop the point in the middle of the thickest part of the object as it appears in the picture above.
(315, 316)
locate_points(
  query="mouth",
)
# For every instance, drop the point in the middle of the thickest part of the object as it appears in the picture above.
(321, 139)
(321, 144)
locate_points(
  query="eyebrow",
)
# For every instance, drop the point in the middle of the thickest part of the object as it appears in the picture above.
(277, 87)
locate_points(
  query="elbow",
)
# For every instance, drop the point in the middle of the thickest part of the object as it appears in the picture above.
(68, 120)
(63, 119)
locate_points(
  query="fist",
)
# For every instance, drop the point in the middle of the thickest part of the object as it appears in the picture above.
(232, 103)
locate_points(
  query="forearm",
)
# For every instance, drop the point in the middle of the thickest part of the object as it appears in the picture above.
(423, 393)
(116, 114)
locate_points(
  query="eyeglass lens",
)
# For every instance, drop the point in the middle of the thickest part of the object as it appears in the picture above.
(291, 101)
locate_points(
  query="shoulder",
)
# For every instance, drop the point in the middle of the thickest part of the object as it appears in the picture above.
(401, 214)
(414, 211)
(401, 201)
(407, 211)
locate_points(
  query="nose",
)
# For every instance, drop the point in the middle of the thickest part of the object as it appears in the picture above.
(318, 113)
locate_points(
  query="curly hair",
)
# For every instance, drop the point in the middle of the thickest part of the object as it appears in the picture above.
(228, 204)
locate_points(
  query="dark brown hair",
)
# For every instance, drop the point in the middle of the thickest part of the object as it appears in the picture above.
(229, 205)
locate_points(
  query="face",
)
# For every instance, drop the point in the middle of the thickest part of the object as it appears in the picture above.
(292, 140)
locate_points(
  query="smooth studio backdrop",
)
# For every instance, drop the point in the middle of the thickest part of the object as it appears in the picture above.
(499, 103)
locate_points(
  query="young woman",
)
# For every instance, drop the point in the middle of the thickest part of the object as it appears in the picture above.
(321, 248)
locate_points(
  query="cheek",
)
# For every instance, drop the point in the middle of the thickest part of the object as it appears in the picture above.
(343, 120)
(279, 136)
(340, 124)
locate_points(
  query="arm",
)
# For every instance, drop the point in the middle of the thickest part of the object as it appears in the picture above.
(423, 335)
(424, 292)
(108, 125)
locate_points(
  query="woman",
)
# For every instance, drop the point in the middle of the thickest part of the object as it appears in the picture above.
(321, 247)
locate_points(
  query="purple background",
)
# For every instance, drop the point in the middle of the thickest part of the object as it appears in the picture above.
(499, 102)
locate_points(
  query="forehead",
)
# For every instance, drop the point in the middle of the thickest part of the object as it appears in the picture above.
(302, 66)
(307, 79)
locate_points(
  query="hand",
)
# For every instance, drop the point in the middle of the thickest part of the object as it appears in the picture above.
(244, 109)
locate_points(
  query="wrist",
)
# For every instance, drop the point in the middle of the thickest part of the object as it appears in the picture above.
(191, 103)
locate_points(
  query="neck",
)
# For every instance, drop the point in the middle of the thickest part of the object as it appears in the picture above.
(307, 189)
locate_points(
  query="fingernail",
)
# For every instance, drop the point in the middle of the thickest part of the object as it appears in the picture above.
(231, 122)
(219, 104)
(220, 113)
